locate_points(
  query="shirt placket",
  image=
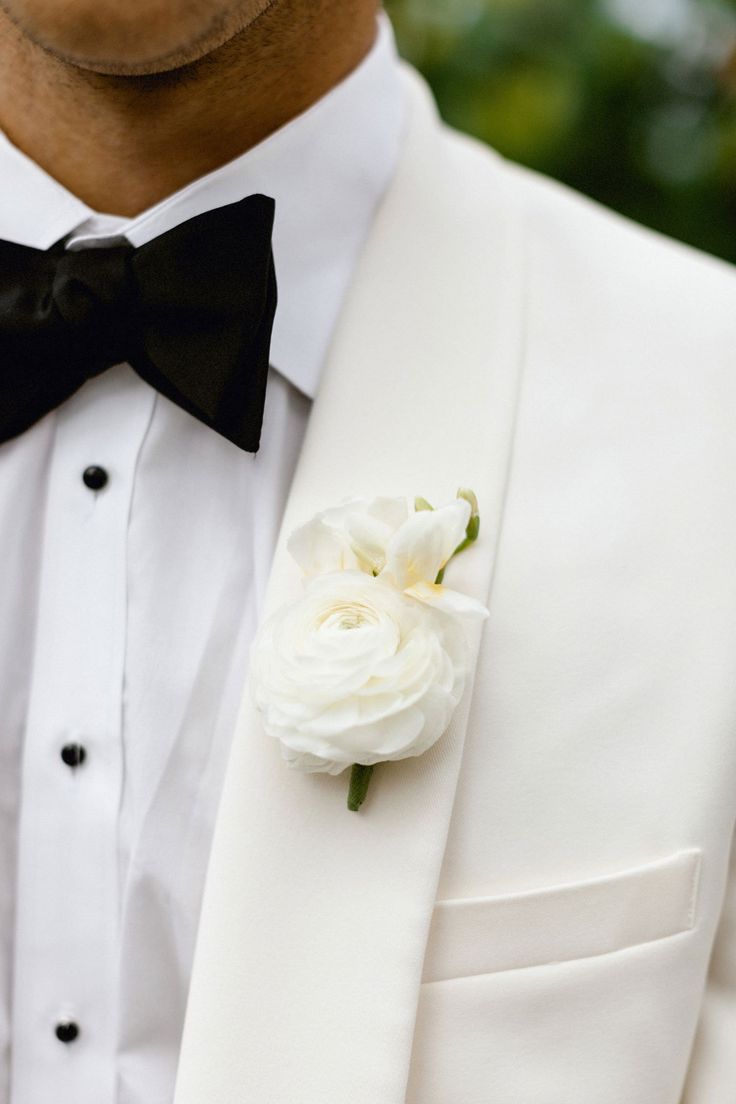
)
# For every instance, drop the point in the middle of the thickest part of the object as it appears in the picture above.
(68, 910)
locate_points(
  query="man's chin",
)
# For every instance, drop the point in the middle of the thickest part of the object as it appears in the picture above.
(113, 39)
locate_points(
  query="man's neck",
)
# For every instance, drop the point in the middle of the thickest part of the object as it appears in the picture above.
(123, 143)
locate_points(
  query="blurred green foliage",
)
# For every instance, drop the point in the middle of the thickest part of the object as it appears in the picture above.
(630, 101)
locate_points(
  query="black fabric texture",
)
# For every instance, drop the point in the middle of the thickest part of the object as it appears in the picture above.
(191, 312)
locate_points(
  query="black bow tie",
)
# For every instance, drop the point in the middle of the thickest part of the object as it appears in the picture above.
(190, 311)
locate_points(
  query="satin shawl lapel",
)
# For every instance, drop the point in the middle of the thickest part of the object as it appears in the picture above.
(315, 919)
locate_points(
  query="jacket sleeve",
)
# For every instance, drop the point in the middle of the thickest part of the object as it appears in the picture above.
(711, 1075)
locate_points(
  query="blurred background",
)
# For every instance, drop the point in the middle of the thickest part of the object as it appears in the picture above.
(630, 101)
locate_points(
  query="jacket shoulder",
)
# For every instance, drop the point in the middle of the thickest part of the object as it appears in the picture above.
(602, 260)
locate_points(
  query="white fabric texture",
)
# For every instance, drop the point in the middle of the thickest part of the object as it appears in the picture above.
(126, 616)
(558, 863)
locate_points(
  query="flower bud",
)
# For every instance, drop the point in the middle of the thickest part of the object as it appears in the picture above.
(470, 497)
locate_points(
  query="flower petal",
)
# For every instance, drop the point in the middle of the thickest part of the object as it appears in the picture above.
(319, 547)
(425, 542)
(447, 600)
(368, 538)
(393, 512)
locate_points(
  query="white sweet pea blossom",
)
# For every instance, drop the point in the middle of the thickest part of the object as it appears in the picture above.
(354, 534)
(356, 672)
(384, 538)
(421, 548)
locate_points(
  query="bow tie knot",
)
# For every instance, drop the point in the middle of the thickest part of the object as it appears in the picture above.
(93, 292)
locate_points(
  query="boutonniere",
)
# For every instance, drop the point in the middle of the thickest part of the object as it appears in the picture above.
(369, 663)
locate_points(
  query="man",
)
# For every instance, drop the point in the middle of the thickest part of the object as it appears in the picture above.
(537, 909)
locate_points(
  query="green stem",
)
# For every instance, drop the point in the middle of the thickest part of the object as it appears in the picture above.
(360, 777)
(471, 534)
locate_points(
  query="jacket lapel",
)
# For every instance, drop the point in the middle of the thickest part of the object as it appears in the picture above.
(315, 919)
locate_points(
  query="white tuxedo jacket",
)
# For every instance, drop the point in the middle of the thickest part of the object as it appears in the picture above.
(538, 910)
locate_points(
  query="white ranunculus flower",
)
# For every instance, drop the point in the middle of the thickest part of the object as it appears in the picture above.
(356, 671)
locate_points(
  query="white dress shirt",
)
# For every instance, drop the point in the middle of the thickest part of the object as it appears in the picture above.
(127, 614)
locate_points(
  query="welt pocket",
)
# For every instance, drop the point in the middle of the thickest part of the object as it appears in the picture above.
(558, 923)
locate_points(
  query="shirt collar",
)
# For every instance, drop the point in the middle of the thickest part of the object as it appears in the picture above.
(326, 170)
